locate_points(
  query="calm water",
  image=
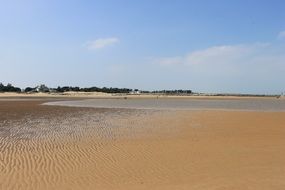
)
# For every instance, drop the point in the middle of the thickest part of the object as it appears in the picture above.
(188, 104)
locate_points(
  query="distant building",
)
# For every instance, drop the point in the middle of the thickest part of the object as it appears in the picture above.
(42, 88)
(135, 91)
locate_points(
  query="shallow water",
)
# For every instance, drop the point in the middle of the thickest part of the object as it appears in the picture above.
(180, 104)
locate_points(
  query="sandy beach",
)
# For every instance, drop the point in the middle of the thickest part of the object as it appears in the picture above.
(88, 95)
(142, 95)
(57, 147)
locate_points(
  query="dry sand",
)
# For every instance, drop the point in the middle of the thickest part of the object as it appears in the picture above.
(55, 95)
(93, 95)
(49, 147)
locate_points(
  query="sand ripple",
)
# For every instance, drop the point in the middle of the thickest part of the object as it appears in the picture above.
(46, 147)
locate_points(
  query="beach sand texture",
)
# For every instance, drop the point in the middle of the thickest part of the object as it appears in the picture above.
(55, 147)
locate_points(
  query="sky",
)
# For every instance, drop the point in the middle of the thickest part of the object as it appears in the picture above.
(223, 46)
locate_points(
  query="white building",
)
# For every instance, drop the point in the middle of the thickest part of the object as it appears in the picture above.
(42, 88)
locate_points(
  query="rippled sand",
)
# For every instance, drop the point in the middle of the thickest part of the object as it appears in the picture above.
(50, 147)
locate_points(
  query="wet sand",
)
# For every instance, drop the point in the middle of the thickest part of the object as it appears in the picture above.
(56, 147)
(239, 104)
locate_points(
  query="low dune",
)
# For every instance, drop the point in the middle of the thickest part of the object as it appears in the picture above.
(52, 147)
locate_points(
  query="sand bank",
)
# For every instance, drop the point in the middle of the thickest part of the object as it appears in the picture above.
(129, 96)
(50, 147)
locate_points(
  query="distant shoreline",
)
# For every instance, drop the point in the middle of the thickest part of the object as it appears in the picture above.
(125, 96)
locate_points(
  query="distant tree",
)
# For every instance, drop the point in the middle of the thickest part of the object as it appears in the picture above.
(92, 89)
(2, 87)
(174, 92)
(59, 89)
(29, 89)
(9, 88)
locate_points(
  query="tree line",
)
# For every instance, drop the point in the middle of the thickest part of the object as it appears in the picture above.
(172, 91)
(9, 88)
(43, 88)
(92, 89)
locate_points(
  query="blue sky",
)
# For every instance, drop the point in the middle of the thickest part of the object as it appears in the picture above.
(207, 46)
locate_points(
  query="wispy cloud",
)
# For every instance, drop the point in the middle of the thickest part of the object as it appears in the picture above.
(101, 43)
(281, 35)
(256, 67)
(225, 54)
(215, 55)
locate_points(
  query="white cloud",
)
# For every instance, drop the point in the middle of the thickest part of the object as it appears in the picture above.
(215, 55)
(225, 54)
(281, 35)
(101, 43)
